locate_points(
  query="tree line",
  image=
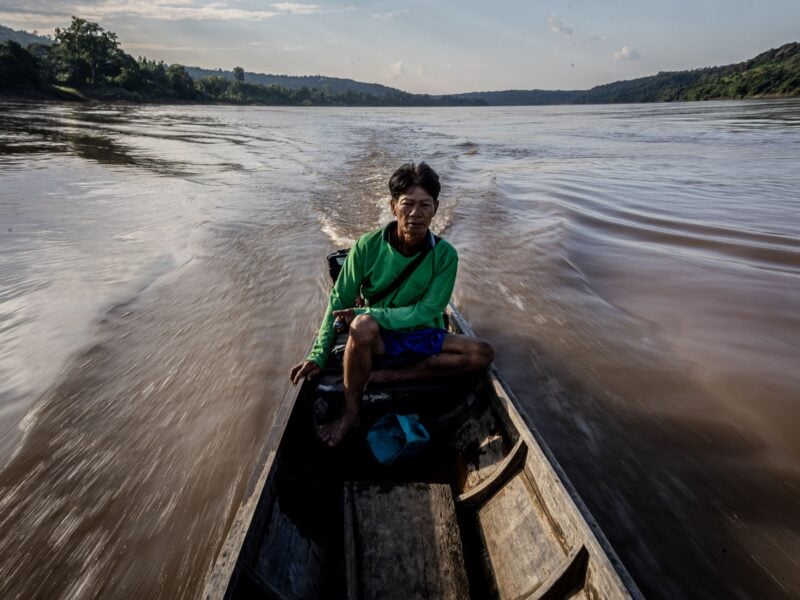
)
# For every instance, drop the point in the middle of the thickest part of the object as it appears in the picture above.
(85, 60)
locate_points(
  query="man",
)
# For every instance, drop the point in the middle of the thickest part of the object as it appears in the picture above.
(407, 321)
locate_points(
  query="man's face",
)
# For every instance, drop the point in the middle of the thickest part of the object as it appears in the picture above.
(414, 211)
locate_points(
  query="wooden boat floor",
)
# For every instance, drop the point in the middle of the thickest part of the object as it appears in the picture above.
(402, 541)
(305, 519)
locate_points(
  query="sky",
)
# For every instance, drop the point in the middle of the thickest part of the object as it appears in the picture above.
(434, 46)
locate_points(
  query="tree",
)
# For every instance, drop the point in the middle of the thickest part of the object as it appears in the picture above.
(18, 67)
(86, 53)
(180, 81)
(214, 87)
(238, 74)
(43, 53)
(154, 76)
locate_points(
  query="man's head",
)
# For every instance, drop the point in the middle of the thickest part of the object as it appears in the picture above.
(411, 175)
(415, 199)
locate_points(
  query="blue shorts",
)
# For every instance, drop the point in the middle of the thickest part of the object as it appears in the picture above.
(421, 342)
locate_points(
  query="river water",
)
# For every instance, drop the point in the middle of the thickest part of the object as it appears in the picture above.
(637, 269)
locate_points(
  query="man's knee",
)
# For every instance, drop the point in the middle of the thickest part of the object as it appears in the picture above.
(364, 329)
(482, 355)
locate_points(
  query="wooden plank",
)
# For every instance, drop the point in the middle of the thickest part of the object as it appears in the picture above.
(407, 542)
(350, 550)
(480, 446)
(509, 466)
(521, 550)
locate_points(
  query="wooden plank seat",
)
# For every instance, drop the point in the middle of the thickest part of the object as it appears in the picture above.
(402, 541)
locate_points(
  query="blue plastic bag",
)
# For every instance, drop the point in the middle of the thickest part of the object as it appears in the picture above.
(395, 437)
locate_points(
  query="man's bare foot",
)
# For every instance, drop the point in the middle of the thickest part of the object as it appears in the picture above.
(334, 432)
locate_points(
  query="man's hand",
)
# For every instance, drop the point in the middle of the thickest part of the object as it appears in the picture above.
(348, 314)
(307, 369)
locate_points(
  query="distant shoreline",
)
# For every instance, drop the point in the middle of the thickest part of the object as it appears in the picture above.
(61, 97)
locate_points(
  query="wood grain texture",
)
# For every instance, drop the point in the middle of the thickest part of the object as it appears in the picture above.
(521, 548)
(406, 542)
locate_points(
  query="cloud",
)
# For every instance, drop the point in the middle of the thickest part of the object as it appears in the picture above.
(627, 53)
(135, 46)
(297, 9)
(294, 48)
(163, 47)
(396, 70)
(400, 70)
(169, 10)
(388, 16)
(161, 10)
(33, 20)
(557, 26)
(596, 39)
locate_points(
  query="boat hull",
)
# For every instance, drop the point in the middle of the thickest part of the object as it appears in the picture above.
(485, 511)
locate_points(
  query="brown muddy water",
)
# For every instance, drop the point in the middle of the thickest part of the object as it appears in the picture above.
(637, 269)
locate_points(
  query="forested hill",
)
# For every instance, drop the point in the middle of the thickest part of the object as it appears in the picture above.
(775, 72)
(22, 37)
(334, 85)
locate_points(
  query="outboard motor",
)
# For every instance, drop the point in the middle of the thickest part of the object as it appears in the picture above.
(335, 262)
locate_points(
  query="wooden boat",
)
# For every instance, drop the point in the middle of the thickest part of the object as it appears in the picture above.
(484, 512)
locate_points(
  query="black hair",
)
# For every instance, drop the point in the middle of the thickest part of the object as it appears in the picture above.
(411, 175)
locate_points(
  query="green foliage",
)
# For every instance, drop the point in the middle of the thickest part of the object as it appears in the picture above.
(44, 59)
(773, 73)
(238, 74)
(18, 67)
(180, 83)
(213, 87)
(86, 54)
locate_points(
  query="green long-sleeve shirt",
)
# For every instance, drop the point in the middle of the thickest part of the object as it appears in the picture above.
(372, 264)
